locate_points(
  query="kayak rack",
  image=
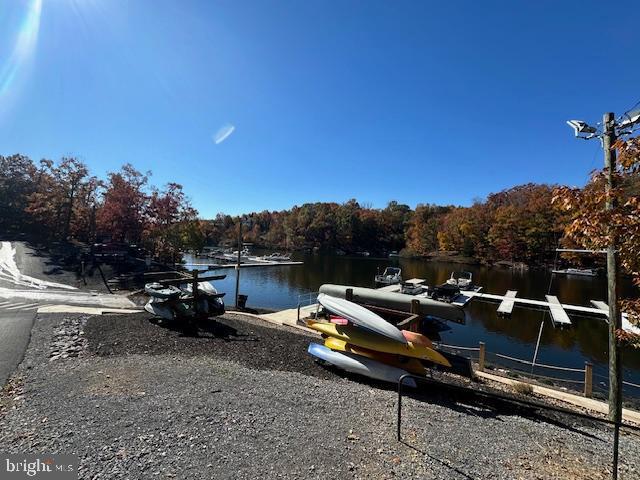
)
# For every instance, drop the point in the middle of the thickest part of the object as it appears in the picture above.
(401, 319)
(617, 425)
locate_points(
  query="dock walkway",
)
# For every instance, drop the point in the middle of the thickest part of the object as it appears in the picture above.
(558, 315)
(559, 311)
(506, 306)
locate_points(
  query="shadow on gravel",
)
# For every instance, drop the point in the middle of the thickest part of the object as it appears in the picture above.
(439, 460)
(474, 403)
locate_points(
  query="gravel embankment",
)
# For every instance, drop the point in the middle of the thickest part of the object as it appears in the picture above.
(141, 401)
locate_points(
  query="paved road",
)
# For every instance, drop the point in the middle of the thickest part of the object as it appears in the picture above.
(26, 286)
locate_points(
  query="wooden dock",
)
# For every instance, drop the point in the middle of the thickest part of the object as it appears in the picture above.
(558, 315)
(506, 306)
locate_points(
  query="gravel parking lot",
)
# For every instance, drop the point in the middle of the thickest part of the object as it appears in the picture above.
(244, 400)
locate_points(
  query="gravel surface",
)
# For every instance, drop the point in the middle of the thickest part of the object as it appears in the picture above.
(142, 401)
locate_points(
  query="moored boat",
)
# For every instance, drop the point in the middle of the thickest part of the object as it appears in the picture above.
(584, 272)
(390, 276)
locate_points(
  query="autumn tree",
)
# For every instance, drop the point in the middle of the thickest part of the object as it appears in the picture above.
(17, 184)
(591, 225)
(57, 203)
(171, 223)
(422, 232)
(124, 205)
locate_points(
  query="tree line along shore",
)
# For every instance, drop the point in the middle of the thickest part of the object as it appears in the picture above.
(61, 201)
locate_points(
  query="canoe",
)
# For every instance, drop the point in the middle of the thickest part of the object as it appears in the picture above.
(417, 338)
(397, 301)
(411, 365)
(360, 316)
(363, 338)
(360, 365)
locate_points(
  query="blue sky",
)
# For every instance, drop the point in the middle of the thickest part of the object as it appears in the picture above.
(417, 101)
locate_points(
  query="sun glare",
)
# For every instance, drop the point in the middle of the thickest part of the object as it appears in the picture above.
(23, 48)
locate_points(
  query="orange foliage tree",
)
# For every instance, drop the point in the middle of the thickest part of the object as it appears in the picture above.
(592, 227)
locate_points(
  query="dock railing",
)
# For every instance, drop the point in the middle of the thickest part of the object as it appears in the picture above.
(508, 366)
(306, 299)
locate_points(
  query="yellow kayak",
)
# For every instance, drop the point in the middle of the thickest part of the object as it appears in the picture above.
(372, 341)
(411, 365)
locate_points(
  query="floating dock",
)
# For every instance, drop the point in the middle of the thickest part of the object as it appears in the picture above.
(506, 306)
(558, 315)
(216, 266)
(559, 311)
(626, 324)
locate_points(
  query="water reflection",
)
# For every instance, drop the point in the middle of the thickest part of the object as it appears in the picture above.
(516, 336)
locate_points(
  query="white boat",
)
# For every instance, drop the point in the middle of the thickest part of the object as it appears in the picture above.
(360, 365)
(360, 316)
(585, 272)
(277, 257)
(462, 280)
(390, 276)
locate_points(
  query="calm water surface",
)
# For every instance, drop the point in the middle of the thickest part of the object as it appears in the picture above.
(586, 340)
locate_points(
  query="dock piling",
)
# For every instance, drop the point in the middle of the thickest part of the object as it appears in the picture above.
(481, 354)
(588, 379)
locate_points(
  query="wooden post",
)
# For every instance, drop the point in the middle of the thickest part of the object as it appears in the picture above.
(481, 353)
(239, 255)
(415, 310)
(348, 294)
(194, 289)
(588, 379)
(615, 319)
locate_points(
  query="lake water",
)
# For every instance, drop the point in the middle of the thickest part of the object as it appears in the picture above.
(586, 340)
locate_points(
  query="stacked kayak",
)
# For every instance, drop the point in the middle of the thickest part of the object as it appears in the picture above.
(359, 341)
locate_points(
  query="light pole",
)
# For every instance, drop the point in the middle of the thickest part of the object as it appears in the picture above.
(611, 130)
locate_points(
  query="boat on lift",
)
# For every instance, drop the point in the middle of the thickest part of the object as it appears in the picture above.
(583, 272)
(277, 257)
(390, 276)
(462, 280)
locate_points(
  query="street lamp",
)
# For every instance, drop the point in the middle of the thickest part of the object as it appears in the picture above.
(612, 129)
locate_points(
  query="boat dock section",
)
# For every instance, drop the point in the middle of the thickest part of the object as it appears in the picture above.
(216, 266)
(626, 324)
(559, 311)
(506, 306)
(558, 315)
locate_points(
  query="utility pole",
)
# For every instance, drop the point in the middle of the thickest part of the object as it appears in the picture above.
(239, 255)
(615, 319)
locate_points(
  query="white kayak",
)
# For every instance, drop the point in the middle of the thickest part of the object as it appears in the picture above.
(361, 365)
(360, 316)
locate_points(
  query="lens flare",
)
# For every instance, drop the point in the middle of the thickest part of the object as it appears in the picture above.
(23, 49)
(222, 134)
